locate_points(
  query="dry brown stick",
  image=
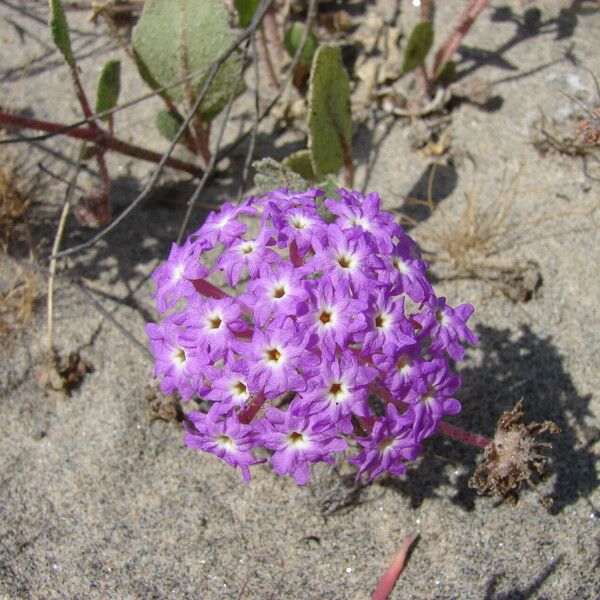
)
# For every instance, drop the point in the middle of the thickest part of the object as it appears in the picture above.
(55, 248)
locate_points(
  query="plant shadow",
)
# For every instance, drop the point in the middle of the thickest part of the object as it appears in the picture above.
(514, 367)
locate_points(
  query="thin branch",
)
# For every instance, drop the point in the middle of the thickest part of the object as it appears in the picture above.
(55, 248)
(282, 87)
(213, 159)
(252, 144)
(150, 184)
(101, 139)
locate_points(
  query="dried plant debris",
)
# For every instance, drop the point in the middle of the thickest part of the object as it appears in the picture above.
(513, 458)
(15, 200)
(163, 408)
(64, 375)
(18, 297)
(520, 283)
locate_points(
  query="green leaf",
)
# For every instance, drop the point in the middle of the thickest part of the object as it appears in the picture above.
(300, 163)
(109, 86)
(168, 123)
(418, 45)
(292, 39)
(175, 38)
(271, 175)
(330, 186)
(246, 10)
(329, 116)
(446, 73)
(60, 31)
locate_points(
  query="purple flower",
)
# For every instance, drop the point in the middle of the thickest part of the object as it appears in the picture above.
(332, 314)
(223, 225)
(231, 389)
(431, 400)
(301, 225)
(406, 274)
(296, 441)
(276, 291)
(247, 253)
(180, 366)
(356, 210)
(390, 443)
(447, 327)
(173, 277)
(226, 438)
(386, 324)
(319, 322)
(212, 323)
(346, 257)
(401, 367)
(338, 391)
(278, 356)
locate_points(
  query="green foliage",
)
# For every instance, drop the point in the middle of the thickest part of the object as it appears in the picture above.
(293, 38)
(168, 123)
(178, 37)
(418, 45)
(246, 10)
(329, 116)
(300, 162)
(60, 31)
(271, 175)
(109, 86)
(446, 73)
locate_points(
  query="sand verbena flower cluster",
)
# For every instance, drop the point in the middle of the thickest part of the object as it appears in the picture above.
(327, 338)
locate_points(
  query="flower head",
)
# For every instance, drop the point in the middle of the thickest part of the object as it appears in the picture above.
(316, 319)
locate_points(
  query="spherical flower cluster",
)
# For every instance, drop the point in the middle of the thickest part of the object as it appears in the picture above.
(327, 331)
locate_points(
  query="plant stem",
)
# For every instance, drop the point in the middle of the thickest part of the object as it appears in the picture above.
(254, 406)
(272, 31)
(101, 139)
(452, 42)
(266, 56)
(388, 579)
(456, 433)
(55, 248)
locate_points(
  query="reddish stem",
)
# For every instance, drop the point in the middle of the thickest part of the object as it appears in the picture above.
(208, 289)
(388, 579)
(456, 433)
(272, 32)
(99, 138)
(294, 256)
(266, 56)
(452, 42)
(253, 407)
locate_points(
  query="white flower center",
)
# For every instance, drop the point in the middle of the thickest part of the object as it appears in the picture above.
(225, 442)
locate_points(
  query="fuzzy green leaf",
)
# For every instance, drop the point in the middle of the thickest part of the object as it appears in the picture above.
(446, 73)
(168, 123)
(271, 175)
(300, 163)
(418, 46)
(292, 39)
(109, 86)
(60, 31)
(175, 38)
(246, 10)
(329, 116)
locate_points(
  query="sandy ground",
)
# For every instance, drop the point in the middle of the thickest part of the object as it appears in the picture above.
(98, 501)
